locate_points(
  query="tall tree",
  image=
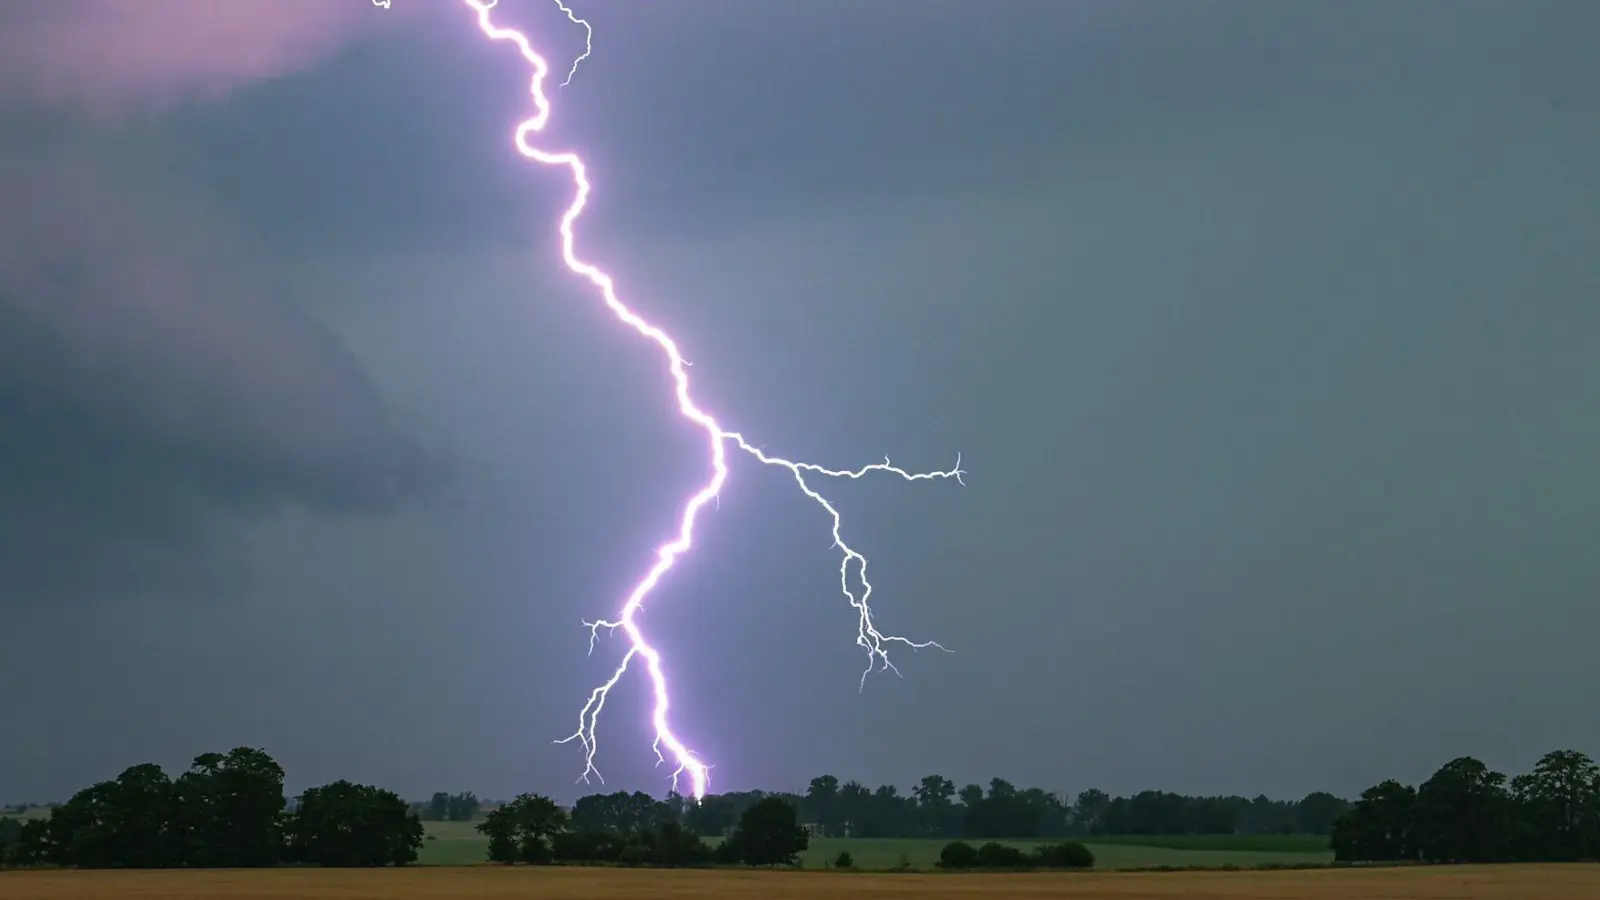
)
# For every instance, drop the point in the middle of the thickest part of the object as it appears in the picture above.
(620, 813)
(935, 806)
(1004, 813)
(855, 802)
(1380, 827)
(1317, 811)
(1462, 813)
(438, 807)
(10, 837)
(140, 818)
(520, 831)
(1089, 811)
(1048, 813)
(822, 804)
(1558, 808)
(125, 823)
(229, 807)
(462, 807)
(769, 834)
(345, 824)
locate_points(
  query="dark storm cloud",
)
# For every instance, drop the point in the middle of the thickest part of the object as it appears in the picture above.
(689, 121)
(154, 383)
(1263, 328)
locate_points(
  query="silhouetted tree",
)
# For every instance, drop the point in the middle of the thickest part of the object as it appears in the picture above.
(937, 813)
(1317, 811)
(10, 837)
(1089, 812)
(345, 824)
(670, 844)
(1557, 809)
(822, 805)
(714, 815)
(229, 808)
(125, 823)
(521, 831)
(462, 807)
(1463, 814)
(438, 807)
(621, 813)
(768, 834)
(1004, 813)
(1380, 827)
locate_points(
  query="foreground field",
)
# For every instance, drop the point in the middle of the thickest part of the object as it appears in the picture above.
(456, 843)
(1547, 882)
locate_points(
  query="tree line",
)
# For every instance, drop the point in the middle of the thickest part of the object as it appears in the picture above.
(230, 810)
(936, 808)
(1467, 812)
(443, 807)
(226, 811)
(636, 829)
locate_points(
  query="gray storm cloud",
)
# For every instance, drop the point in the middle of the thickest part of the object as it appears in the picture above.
(151, 374)
(129, 301)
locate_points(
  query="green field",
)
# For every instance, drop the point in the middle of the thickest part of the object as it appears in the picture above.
(456, 843)
(1247, 843)
(453, 844)
(459, 844)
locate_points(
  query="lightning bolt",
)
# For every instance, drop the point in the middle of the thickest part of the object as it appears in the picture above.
(873, 641)
(588, 41)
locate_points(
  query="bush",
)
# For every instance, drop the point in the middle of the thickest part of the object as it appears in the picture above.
(1065, 855)
(844, 860)
(995, 855)
(958, 855)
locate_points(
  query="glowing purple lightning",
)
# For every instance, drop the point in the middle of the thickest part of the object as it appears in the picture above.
(867, 636)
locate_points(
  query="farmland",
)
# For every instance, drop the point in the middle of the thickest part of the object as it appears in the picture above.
(457, 843)
(1510, 882)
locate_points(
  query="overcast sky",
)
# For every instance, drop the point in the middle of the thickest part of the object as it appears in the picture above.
(1266, 332)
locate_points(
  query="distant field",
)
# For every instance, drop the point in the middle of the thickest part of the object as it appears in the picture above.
(453, 844)
(1247, 843)
(1574, 882)
(456, 843)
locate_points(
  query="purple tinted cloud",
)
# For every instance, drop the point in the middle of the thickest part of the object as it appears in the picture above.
(134, 315)
(112, 58)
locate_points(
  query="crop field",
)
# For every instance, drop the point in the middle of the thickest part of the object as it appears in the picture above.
(456, 843)
(1531, 882)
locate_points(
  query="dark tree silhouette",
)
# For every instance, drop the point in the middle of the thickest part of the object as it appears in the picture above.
(522, 830)
(769, 834)
(344, 824)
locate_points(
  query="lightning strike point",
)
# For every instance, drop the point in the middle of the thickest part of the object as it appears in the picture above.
(868, 637)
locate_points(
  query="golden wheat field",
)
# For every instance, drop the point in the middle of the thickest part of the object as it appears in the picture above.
(1546, 882)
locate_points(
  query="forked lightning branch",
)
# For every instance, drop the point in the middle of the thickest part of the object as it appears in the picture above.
(857, 591)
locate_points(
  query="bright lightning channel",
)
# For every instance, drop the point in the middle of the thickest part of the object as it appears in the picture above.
(868, 637)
